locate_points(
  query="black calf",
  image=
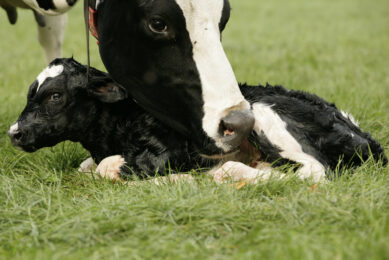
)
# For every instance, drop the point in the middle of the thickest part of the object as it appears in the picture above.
(100, 116)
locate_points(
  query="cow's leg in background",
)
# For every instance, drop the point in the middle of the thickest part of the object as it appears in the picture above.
(11, 13)
(51, 36)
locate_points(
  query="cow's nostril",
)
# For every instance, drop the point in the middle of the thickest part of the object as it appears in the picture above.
(236, 122)
(17, 136)
(236, 126)
(228, 132)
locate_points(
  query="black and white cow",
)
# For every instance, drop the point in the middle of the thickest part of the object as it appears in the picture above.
(290, 127)
(169, 57)
(51, 18)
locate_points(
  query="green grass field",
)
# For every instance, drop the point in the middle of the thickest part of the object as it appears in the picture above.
(338, 49)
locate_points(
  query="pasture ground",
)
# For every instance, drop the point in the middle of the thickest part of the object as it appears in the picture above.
(338, 49)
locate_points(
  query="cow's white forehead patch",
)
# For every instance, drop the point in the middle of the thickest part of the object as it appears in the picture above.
(50, 72)
(199, 11)
(220, 89)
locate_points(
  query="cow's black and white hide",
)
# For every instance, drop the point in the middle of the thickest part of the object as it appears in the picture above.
(51, 18)
(290, 127)
(298, 127)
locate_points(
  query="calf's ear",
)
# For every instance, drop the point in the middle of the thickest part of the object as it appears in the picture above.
(106, 91)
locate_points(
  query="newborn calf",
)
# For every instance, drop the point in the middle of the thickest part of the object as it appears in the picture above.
(63, 105)
(290, 127)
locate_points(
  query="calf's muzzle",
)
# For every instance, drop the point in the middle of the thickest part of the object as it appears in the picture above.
(15, 135)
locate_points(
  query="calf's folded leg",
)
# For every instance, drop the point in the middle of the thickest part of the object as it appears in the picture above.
(111, 167)
(237, 171)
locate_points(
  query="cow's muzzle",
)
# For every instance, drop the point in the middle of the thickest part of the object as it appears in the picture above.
(236, 127)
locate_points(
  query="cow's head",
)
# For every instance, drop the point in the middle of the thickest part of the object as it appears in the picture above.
(62, 106)
(168, 54)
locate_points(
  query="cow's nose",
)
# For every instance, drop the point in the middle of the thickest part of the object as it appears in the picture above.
(236, 127)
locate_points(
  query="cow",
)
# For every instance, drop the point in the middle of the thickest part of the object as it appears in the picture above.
(168, 56)
(51, 18)
(291, 127)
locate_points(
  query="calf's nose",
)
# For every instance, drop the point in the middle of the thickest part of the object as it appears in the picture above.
(236, 126)
(15, 134)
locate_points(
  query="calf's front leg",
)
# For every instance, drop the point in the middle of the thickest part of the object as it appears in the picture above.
(111, 167)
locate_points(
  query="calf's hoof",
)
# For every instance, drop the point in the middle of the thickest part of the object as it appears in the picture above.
(87, 166)
(110, 167)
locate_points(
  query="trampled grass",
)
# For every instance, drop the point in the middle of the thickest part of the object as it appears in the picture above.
(336, 49)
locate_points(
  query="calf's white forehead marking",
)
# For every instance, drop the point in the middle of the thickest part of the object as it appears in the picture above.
(14, 128)
(49, 72)
(270, 123)
(219, 85)
(350, 117)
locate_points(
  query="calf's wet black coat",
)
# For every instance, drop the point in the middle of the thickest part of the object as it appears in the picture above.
(103, 120)
(106, 122)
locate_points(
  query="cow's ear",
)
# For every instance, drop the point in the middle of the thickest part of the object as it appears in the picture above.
(106, 90)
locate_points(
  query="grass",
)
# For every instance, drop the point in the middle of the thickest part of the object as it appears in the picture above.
(337, 49)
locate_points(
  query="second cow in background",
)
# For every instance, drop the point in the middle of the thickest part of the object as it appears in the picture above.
(51, 18)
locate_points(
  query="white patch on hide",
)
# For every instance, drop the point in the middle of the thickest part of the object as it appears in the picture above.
(49, 72)
(220, 89)
(270, 123)
(61, 7)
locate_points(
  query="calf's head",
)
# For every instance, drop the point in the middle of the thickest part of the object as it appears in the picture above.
(168, 55)
(60, 105)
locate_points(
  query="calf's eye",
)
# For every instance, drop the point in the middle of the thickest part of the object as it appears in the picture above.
(55, 97)
(157, 25)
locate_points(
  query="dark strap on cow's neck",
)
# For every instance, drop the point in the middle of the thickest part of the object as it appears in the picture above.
(86, 20)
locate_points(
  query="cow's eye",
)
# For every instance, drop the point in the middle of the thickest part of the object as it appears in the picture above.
(55, 97)
(157, 25)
